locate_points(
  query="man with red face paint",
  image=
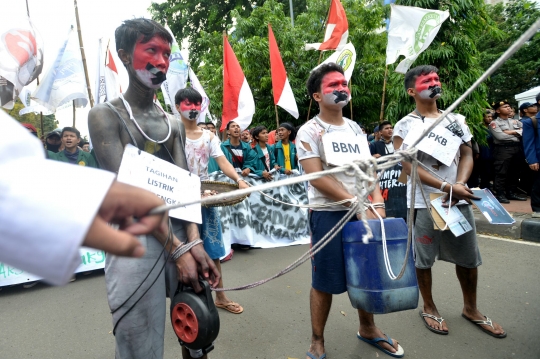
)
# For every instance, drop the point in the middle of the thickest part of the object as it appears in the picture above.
(136, 287)
(423, 85)
(201, 147)
(328, 87)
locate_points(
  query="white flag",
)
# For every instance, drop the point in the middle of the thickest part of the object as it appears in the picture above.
(176, 75)
(205, 100)
(31, 106)
(64, 82)
(411, 31)
(21, 51)
(346, 58)
(107, 83)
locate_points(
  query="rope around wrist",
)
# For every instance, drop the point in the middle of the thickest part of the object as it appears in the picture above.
(184, 248)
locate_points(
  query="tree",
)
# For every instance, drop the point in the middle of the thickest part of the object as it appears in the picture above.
(187, 18)
(454, 51)
(249, 40)
(522, 71)
(49, 121)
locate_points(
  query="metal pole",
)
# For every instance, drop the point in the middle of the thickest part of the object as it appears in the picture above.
(82, 55)
(292, 13)
(73, 113)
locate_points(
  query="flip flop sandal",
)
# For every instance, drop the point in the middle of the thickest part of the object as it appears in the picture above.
(230, 307)
(485, 322)
(375, 342)
(314, 357)
(437, 319)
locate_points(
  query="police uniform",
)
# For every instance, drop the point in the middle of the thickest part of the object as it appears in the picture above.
(507, 157)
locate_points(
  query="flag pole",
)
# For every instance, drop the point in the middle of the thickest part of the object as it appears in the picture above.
(383, 94)
(350, 89)
(37, 78)
(311, 99)
(82, 54)
(73, 113)
(277, 118)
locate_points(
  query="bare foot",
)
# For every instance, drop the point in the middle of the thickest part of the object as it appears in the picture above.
(316, 348)
(433, 323)
(374, 332)
(476, 315)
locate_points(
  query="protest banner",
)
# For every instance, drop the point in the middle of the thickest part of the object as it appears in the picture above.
(259, 221)
(91, 259)
(394, 192)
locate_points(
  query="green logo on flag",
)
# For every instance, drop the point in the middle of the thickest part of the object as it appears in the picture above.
(428, 22)
(345, 59)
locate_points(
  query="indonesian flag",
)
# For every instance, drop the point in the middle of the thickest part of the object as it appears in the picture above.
(337, 29)
(107, 84)
(238, 103)
(283, 95)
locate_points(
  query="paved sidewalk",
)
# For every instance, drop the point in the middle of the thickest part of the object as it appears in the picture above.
(525, 227)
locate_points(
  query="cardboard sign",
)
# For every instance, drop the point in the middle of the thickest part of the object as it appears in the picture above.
(440, 143)
(342, 147)
(169, 182)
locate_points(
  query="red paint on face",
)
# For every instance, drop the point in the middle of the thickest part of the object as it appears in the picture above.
(156, 52)
(334, 81)
(186, 105)
(424, 82)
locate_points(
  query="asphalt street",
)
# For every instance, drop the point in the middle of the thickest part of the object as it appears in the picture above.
(74, 321)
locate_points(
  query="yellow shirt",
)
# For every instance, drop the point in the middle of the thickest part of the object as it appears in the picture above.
(287, 155)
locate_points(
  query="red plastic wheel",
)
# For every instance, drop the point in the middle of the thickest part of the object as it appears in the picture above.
(184, 322)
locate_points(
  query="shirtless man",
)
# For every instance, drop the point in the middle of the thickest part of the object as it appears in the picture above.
(143, 46)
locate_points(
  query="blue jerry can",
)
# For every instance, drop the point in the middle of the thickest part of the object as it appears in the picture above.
(368, 283)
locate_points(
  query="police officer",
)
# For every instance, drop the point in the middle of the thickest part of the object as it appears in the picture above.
(507, 153)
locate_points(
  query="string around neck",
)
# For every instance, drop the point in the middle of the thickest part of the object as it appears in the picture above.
(130, 113)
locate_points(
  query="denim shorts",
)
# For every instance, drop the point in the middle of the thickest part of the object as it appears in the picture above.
(327, 266)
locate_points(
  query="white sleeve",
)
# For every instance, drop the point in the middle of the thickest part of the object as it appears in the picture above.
(467, 136)
(401, 128)
(215, 148)
(42, 221)
(310, 135)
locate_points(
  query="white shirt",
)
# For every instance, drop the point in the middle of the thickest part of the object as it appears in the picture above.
(41, 224)
(442, 172)
(199, 151)
(311, 133)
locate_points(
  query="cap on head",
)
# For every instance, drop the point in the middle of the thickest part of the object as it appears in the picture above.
(526, 105)
(498, 104)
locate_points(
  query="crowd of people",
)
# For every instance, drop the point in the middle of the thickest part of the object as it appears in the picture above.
(495, 162)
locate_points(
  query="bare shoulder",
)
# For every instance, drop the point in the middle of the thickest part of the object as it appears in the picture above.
(101, 117)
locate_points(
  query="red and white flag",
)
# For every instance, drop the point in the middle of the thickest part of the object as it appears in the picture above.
(107, 83)
(283, 94)
(238, 103)
(21, 56)
(337, 29)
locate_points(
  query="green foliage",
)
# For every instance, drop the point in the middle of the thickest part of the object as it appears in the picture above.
(187, 18)
(49, 121)
(455, 53)
(249, 40)
(522, 71)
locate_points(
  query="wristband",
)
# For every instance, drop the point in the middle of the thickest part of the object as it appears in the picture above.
(461, 183)
(443, 186)
(240, 179)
